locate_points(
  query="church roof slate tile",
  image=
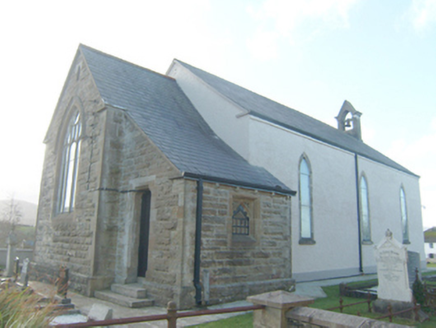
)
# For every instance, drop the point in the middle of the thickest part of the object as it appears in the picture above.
(160, 108)
(291, 119)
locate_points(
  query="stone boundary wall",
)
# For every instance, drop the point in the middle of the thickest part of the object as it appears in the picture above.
(284, 310)
(21, 253)
(305, 317)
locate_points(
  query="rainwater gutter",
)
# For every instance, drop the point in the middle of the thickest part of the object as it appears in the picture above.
(356, 166)
(197, 250)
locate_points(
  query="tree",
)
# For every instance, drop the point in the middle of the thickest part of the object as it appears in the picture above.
(12, 213)
(10, 218)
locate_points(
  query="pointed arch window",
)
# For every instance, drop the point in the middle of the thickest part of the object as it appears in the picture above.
(305, 197)
(364, 211)
(69, 164)
(404, 217)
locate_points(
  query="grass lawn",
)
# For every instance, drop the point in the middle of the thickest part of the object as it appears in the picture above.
(240, 321)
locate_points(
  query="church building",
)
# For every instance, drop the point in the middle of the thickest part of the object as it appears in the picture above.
(201, 191)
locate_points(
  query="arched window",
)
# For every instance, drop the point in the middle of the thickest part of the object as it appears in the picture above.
(240, 222)
(69, 164)
(404, 218)
(305, 192)
(364, 211)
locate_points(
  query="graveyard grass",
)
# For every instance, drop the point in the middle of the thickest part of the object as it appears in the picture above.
(332, 300)
(240, 321)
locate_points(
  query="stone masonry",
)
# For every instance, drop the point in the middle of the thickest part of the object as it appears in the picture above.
(98, 241)
(69, 238)
(245, 265)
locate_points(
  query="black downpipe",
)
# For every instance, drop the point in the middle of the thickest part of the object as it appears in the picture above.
(197, 253)
(356, 165)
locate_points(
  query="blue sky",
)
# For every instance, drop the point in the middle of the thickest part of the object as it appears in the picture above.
(308, 55)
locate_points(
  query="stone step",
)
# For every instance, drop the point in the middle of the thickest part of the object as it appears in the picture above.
(107, 295)
(130, 290)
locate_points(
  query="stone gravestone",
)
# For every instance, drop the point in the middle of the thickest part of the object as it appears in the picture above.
(393, 280)
(24, 277)
(100, 312)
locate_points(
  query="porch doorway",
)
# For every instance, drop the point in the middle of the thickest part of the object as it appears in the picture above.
(144, 233)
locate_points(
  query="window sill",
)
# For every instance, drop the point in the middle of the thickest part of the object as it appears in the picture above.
(406, 242)
(242, 240)
(367, 242)
(307, 241)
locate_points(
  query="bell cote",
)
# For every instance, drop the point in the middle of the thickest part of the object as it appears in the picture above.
(349, 120)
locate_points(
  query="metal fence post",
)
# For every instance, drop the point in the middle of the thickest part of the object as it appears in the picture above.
(369, 302)
(172, 314)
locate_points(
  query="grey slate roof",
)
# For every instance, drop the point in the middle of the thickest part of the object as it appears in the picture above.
(276, 113)
(161, 109)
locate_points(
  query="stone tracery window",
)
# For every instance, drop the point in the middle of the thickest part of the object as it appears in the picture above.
(69, 164)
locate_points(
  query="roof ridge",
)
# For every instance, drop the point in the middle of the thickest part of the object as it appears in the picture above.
(83, 46)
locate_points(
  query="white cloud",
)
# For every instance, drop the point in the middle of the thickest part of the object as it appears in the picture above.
(293, 20)
(263, 45)
(423, 13)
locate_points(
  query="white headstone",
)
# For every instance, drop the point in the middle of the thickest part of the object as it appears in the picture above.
(24, 273)
(393, 280)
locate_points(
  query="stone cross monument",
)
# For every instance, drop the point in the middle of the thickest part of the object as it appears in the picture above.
(10, 258)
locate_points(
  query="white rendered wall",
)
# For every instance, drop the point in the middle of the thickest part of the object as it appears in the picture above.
(219, 112)
(429, 250)
(384, 185)
(335, 218)
(335, 229)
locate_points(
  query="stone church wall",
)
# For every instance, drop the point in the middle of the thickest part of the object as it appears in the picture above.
(67, 238)
(139, 165)
(98, 241)
(242, 265)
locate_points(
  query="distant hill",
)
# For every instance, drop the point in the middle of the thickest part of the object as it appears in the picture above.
(28, 210)
(430, 235)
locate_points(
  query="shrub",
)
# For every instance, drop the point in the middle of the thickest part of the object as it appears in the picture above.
(22, 308)
(418, 290)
